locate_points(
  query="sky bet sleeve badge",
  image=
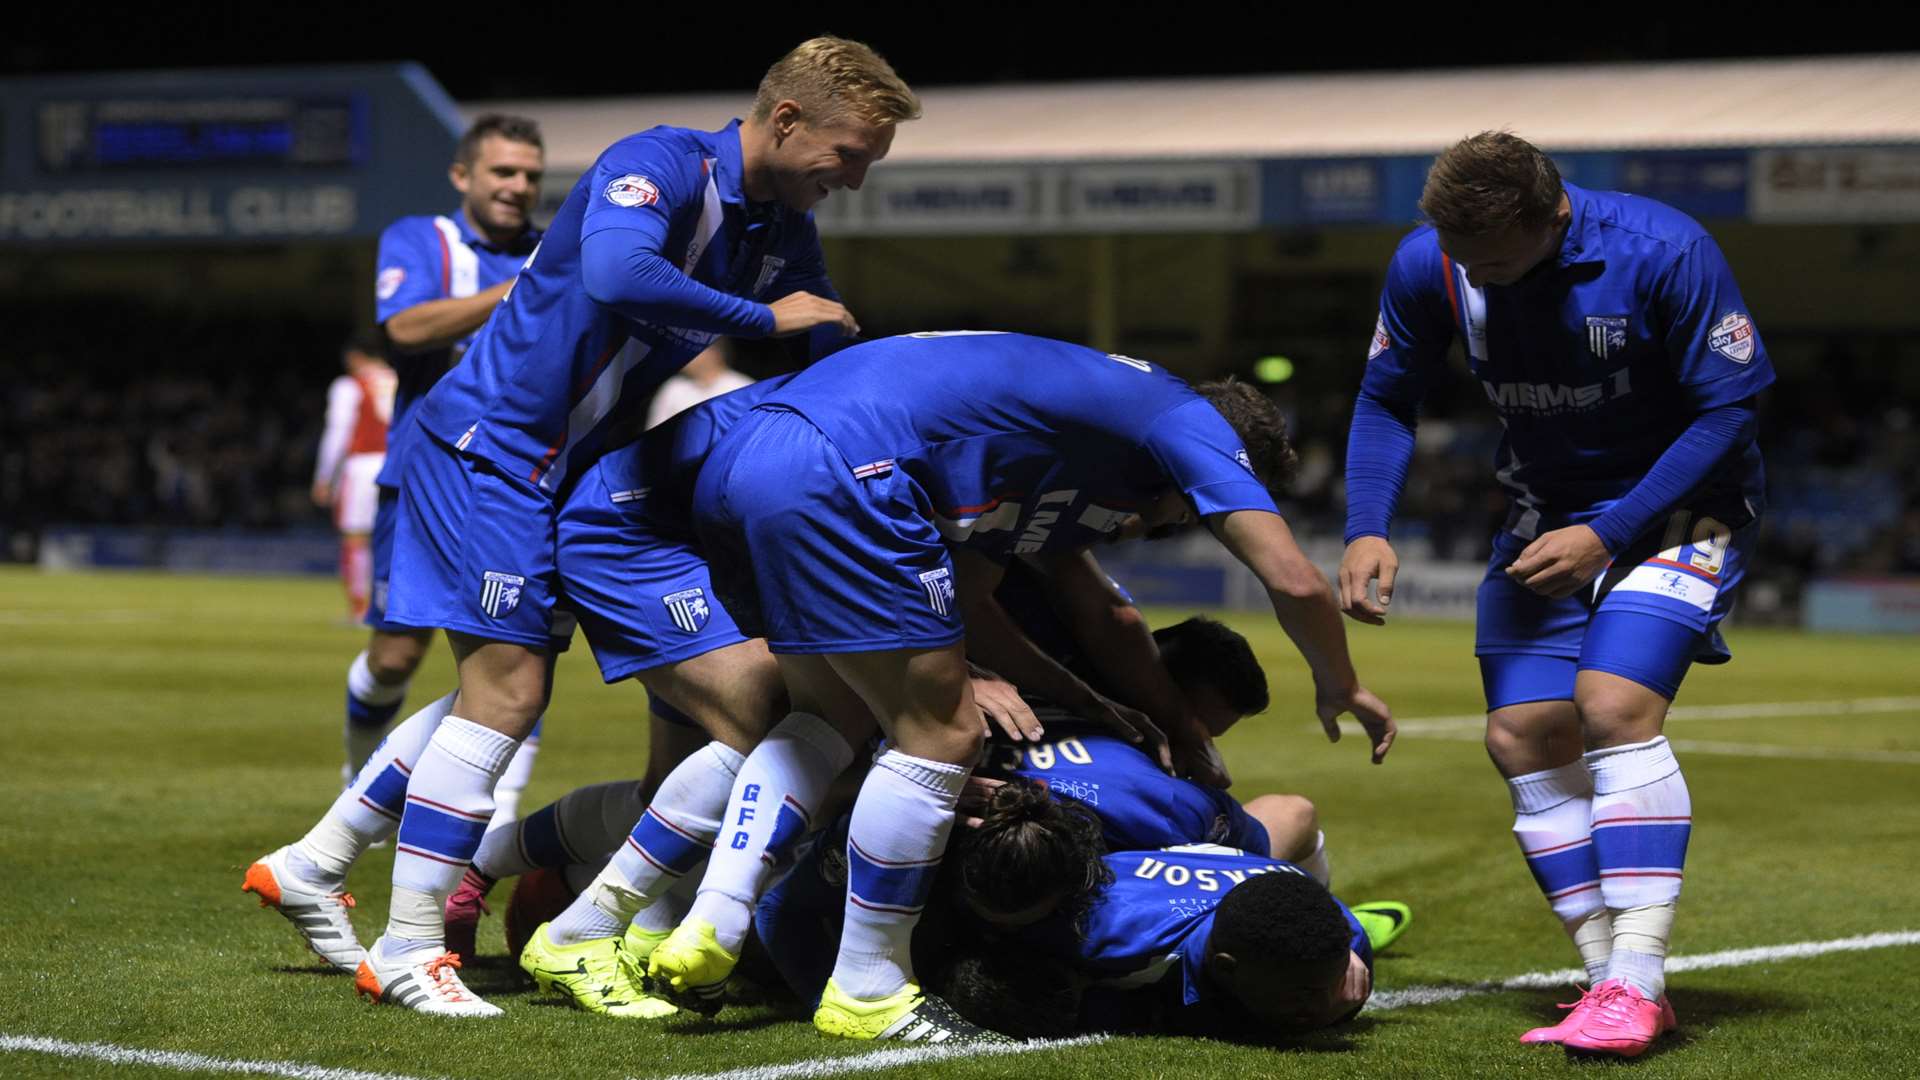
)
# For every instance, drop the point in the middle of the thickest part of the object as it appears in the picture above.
(1732, 337)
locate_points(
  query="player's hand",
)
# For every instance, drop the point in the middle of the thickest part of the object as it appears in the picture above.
(1562, 562)
(1130, 724)
(1368, 559)
(799, 312)
(974, 796)
(1199, 760)
(1366, 708)
(1355, 987)
(1000, 703)
(322, 494)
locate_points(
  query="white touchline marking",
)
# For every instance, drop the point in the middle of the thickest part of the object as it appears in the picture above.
(184, 1061)
(1740, 749)
(887, 1059)
(1467, 727)
(1823, 753)
(1433, 725)
(1544, 980)
(69, 618)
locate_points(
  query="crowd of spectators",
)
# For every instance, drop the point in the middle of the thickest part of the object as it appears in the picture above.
(196, 421)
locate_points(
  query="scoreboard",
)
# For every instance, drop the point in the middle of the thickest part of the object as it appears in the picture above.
(161, 132)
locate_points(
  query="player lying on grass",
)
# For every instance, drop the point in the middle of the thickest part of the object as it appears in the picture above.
(1202, 940)
(1016, 868)
(1027, 936)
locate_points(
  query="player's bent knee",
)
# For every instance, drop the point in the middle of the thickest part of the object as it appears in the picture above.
(393, 658)
(502, 686)
(1615, 711)
(733, 694)
(964, 738)
(1292, 823)
(1533, 736)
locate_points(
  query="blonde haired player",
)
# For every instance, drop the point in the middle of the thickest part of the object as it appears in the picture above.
(673, 238)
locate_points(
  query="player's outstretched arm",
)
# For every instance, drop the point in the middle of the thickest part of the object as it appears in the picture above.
(1304, 604)
(997, 642)
(436, 324)
(1379, 452)
(1119, 645)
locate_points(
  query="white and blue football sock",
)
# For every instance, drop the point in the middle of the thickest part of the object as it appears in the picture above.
(769, 810)
(671, 839)
(1553, 821)
(371, 705)
(894, 845)
(449, 801)
(1642, 820)
(368, 811)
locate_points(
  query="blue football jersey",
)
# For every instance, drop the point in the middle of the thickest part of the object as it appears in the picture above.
(555, 369)
(1023, 444)
(1139, 807)
(427, 258)
(1596, 361)
(1153, 922)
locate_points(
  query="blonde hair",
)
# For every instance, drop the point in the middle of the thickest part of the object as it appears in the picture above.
(835, 80)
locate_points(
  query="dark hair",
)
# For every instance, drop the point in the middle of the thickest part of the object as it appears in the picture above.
(512, 128)
(1203, 651)
(1262, 430)
(1030, 845)
(370, 340)
(1012, 991)
(1284, 919)
(1488, 183)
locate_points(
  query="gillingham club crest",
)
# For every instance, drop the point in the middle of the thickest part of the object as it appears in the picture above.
(1606, 334)
(939, 586)
(688, 609)
(500, 593)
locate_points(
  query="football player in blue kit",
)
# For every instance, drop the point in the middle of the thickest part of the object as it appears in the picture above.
(1227, 951)
(1163, 941)
(827, 514)
(1612, 341)
(673, 238)
(438, 279)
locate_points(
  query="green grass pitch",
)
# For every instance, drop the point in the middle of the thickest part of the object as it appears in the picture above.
(161, 732)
